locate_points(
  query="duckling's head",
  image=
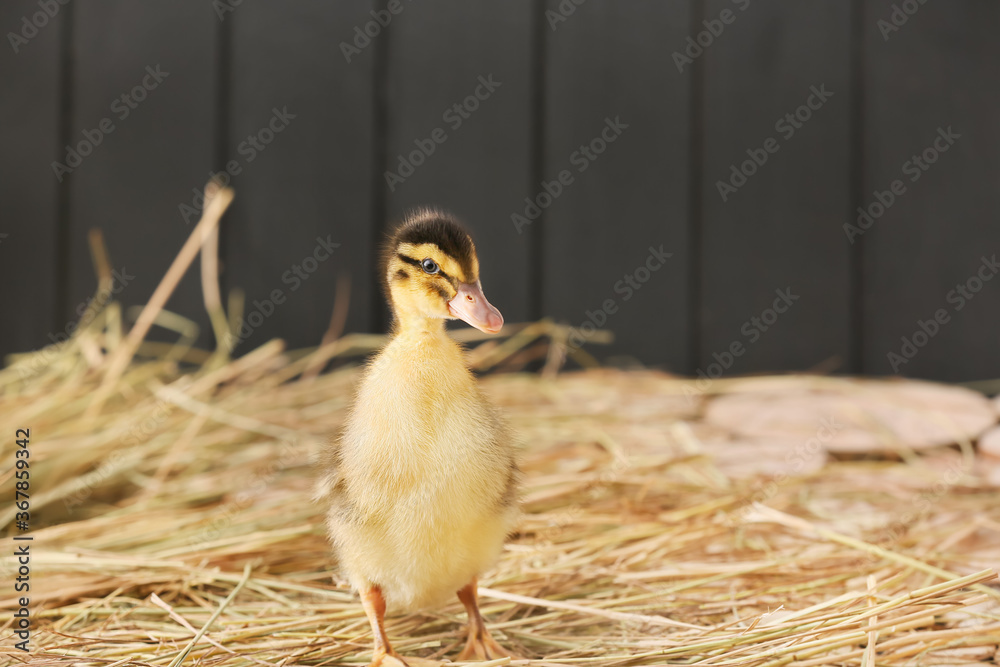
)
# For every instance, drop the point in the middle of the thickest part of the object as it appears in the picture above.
(432, 272)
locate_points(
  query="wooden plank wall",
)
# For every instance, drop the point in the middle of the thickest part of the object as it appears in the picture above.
(617, 114)
(780, 230)
(477, 56)
(311, 186)
(939, 70)
(30, 121)
(313, 115)
(145, 70)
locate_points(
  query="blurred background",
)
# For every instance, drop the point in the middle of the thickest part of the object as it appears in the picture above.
(730, 186)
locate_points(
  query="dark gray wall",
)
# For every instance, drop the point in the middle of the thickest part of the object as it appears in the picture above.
(884, 85)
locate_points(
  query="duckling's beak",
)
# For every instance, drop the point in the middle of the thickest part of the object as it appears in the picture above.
(470, 305)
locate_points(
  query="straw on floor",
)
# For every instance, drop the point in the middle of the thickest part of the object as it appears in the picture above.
(667, 520)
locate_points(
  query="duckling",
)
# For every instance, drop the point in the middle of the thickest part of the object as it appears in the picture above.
(422, 485)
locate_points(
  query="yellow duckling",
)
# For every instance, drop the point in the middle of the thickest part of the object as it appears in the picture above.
(423, 482)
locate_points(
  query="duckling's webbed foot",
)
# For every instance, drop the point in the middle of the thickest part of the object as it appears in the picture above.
(480, 645)
(383, 654)
(483, 648)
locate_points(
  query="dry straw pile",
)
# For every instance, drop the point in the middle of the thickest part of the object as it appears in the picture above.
(772, 521)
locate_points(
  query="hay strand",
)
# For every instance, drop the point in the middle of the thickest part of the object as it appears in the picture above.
(217, 200)
(177, 527)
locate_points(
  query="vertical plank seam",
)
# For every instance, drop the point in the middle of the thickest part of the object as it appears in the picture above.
(536, 170)
(64, 131)
(856, 285)
(380, 162)
(696, 122)
(222, 117)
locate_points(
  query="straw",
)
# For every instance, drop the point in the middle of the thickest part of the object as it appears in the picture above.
(217, 200)
(174, 524)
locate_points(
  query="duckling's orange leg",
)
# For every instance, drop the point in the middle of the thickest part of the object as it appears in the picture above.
(480, 645)
(374, 604)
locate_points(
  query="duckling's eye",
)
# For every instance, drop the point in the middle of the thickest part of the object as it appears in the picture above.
(429, 265)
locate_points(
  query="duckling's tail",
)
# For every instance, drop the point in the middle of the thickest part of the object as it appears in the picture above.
(324, 487)
(328, 472)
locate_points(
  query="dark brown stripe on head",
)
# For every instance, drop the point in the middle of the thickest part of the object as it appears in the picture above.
(442, 292)
(442, 231)
(402, 275)
(409, 260)
(420, 264)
